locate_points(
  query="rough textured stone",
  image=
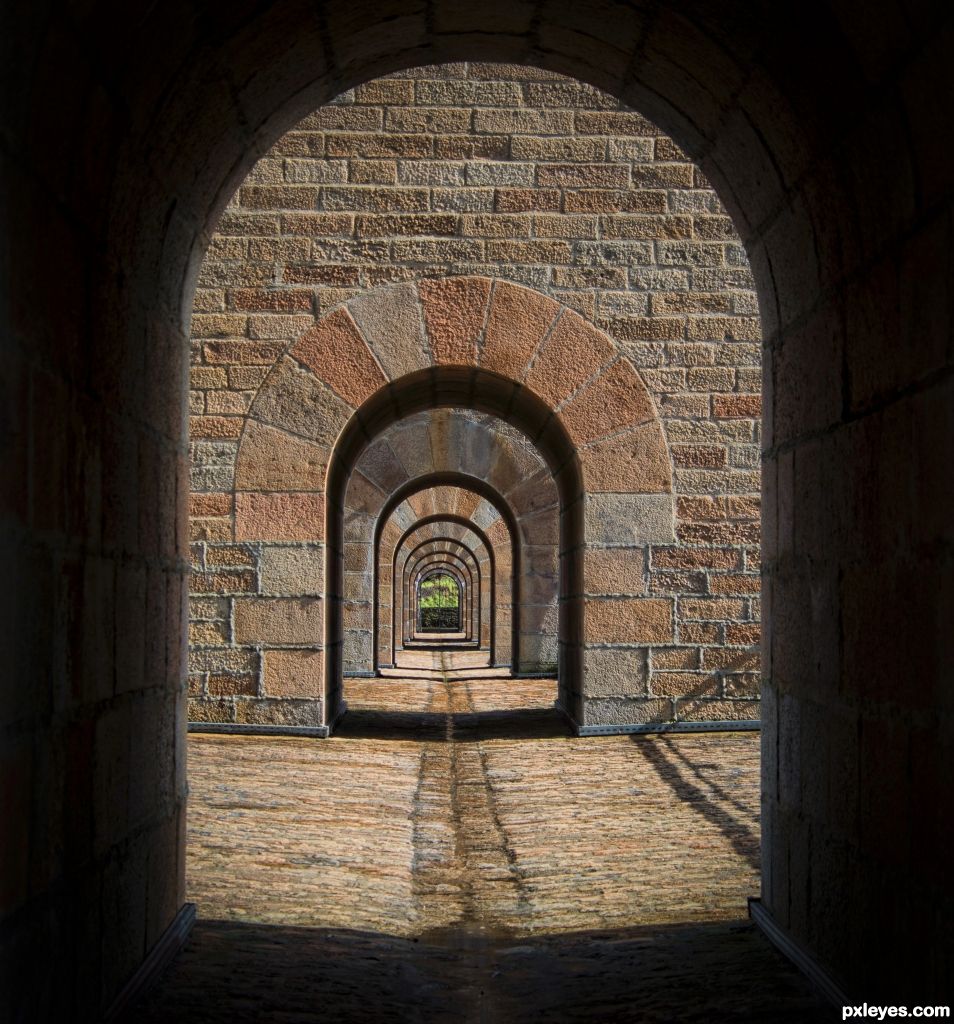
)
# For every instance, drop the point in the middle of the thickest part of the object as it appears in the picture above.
(615, 571)
(455, 310)
(628, 519)
(617, 398)
(295, 400)
(293, 673)
(628, 620)
(336, 353)
(637, 460)
(615, 672)
(292, 570)
(279, 516)
(516, 324)
(270, 459)
(279, 621)
(390, 320)
(572, 353)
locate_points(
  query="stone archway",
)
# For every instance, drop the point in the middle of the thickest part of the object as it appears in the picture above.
(503, 349)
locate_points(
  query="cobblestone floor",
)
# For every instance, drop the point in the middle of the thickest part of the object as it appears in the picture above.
(453, 854)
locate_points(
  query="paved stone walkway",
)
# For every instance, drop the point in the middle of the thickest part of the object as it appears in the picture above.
(453, 854)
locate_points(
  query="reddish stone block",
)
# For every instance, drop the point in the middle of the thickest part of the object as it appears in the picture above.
(287, 516)
(210, 504)
(337, 354)
(737, 406)
(572, 353)
(293, 673)
(628, 621)
(516, 324)
(455, 310)
(617, 398)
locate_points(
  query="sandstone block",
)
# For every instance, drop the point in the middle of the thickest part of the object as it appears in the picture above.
(271, 459)
(637, 460)
(336, 353)
(292, 571)
(279, 621)
(615, 671)
(615, 571)
(617, 398)
(696, 710)
(570, 355)
(277, 516)
(628, 520)
(293, 673)
(294, 400)
(390, 320)
(454, 314)
(635, 711)
(628, 620)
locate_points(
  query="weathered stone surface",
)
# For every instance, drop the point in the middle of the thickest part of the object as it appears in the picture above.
(637, 460)
(293, 399)
(572, 353)
(455, 310)
(279, 621)
(270, 459)
(615, 672)
(628, 620)
(628, 519)
(615, 571)
(391, 322)
(336, 353)
(516, 324)
(628, 712)
(292, 570)
(616, 399)
(293, 673)
(279, 516)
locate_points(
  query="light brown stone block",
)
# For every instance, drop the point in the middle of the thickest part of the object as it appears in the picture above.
(455, 309)
(288, 516)
(270, 459)
(637, 460)
(628, 621)
(571, 354)
(617, 398)
(615, 571)
(390, 321)
(517, 322)
(335, 352)
(279, 620)
(293, 673)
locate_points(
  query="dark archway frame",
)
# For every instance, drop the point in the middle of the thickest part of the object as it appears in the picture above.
(437, 559)
(429, 573)
(474, 388)
(473, 577)
(395, 577)
(491, 494)
(442, 563)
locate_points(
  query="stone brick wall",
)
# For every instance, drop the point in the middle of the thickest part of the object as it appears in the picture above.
(513, 174)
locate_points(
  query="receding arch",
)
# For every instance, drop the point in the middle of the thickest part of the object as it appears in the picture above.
(399, 578)
(465, 560)
(489, 493)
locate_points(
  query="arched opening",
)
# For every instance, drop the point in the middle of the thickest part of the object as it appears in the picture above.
(439, 601)
(834, 245)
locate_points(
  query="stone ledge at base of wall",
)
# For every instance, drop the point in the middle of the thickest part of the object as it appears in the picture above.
(160, 956)
(319, 732)
(824, 982)
(625, 728)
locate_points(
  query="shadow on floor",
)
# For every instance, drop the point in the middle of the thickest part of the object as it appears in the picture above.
(513, 723)
(242, 972)
(704, 796)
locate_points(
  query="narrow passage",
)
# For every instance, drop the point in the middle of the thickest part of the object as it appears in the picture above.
(453, 854)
